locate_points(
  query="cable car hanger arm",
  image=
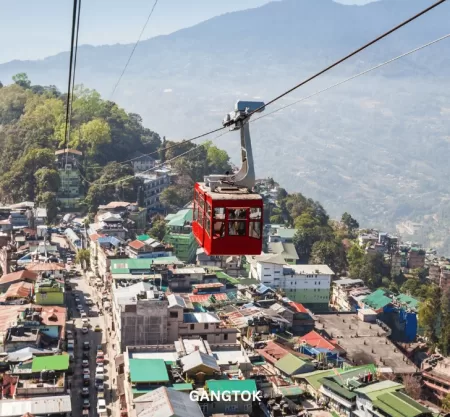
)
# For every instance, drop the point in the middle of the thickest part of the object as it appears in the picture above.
(239, 120)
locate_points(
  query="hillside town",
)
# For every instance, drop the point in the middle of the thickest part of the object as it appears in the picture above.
(100, 318)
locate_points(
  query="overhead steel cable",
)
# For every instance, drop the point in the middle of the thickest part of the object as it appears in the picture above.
(336, 63)
(353, 77)
(284, 107)
(69, 82)
(357, 51)
(133, 50)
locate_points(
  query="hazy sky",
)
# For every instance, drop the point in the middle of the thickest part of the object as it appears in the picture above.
(33, 29)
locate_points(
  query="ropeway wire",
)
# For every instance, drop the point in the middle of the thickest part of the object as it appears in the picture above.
(279, 109)
(336, 63)
(352, 77)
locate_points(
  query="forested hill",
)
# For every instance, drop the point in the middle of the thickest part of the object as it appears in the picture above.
(32, 128)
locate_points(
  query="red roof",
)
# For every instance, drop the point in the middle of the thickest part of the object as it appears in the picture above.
(54, 316)
(314, 339)
(19, 290)
(202, 298)
(43, 267)
(298, 307)
(9, 384)
(273, 352)
(18, 276)
(95, 236)
(8, 315)
(136, 244)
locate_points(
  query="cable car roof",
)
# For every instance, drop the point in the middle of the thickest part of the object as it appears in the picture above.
(229, 193)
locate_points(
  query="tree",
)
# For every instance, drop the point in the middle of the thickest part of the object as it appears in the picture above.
(445, 405)
(171, 199)
(218, 160)
(47, 179)
(91, 135)
(158, 229)
(277, 219)
(349, 221)
(412, 386)
(282, 194)
(83, 258)
(429, 313)
(22, 80)
(49, 201)
(12, 103)
(329, 253)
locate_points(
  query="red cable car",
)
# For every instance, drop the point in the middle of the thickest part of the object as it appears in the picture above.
(228, 215)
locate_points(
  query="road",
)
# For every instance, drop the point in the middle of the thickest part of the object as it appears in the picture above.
(81, 289)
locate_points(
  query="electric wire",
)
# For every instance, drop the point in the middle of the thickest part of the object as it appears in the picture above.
(156, 166)
(133, 50)
(69, 82)
(336, 63)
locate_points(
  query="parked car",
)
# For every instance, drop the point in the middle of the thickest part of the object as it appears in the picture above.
(86, 345)
(100, 386)
(85, 392)
(100, 360)
(98, 328)
(101, 406)
(79, 307)
(84, 330)
(86, 371)
(85, 363)
(86, 380)
(86, 403)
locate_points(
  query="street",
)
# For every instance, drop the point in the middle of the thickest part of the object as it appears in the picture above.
(82, 290)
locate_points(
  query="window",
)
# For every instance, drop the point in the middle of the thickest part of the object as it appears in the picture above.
(219, 222)
(192, 326)
(206, 326)
(225, 336)
(237, 222)
(174, 314)
(255, 230)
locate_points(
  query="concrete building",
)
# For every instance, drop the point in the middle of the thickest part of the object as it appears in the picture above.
(306, 284)
(286, 250)
(416, 258)
(341, 293)
(104, 249)
(436, 376)
(48, 291)
(150, 248)
(180, 236)
(231, 265)
(68, 162)
(142, 162)
(140, 315)
(109, 224)
(154, 184)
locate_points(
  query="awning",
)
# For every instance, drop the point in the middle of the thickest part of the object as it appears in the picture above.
(291, 391)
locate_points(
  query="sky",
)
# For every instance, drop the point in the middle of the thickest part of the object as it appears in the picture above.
(33, 29)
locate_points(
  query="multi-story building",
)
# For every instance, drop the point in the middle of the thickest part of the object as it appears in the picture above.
(142, 162)
(444, 278)
(180, 236)
(130, 211)
(436, 376)
(68, 161)
(341, 291)
(140, 315)
(154, 184)
(416, 258)
(149, 248)
(306, 284)
(231, 265)
(104, 249)
(110, 224)
(145, 316)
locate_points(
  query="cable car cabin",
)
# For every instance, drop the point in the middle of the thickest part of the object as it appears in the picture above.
(228, 221)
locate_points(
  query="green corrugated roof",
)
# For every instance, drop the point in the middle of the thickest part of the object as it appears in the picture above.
(353, 373)
(123, 266)
(286, 233)
(148, 370)
(182, 387)
(338, 389)
(373, 391)
(50, 363)
(180, 218)
(398, 404)
(313, 378)
(409, 301)
(223, 275)
(289, 364)
(232, 385)
(142, 238)
(378, 299)
(291, 391)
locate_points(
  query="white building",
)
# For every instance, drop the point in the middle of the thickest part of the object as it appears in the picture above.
(154, 184)
(306, 284)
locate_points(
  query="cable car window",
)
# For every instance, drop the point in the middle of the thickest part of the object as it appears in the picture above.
(236, 228)
(255, 213)
(219, 229)
(255, 230)
(208, 210)
(195, 210)
(201, 202)
(219, 213)
(208, 225)
(200, 218)
(239, 213)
